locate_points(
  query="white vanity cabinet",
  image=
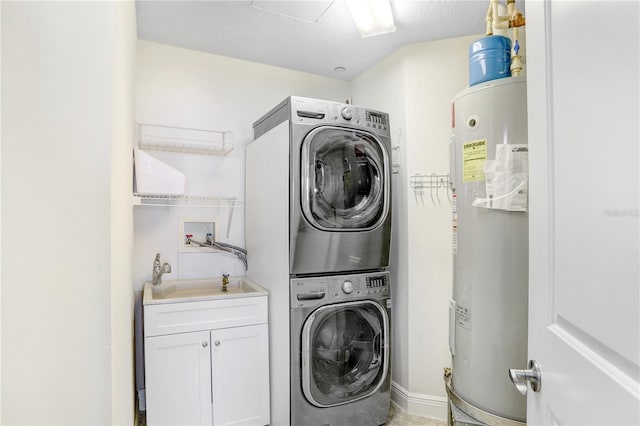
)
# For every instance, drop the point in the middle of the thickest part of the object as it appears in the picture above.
(207, 362)
(178, 379)
(240, 371)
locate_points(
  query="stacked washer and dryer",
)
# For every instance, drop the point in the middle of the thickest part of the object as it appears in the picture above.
(318, 225)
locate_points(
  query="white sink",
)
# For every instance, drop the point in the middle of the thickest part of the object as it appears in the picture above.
(202, 289)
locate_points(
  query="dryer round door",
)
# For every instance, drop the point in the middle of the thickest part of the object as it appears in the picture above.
(344, 352)
(345, 179)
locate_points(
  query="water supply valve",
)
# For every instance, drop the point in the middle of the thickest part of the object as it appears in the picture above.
(225, 282)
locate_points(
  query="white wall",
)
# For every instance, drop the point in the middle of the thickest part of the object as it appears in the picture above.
(186, 88)
(0, 221)
(59, 124)
(435, 73)
(416, 85)
(124, 132)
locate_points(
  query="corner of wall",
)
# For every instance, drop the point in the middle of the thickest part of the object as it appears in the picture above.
(122, 294)
(1, 422)
(435, 407)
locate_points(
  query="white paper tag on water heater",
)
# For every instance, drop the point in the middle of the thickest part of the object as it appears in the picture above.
(506, 179)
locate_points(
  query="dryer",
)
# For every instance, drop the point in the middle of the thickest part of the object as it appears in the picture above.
(339, 189)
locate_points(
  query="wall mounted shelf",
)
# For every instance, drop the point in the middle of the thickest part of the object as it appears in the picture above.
(153, 137)
(185, 200)
(210, 202)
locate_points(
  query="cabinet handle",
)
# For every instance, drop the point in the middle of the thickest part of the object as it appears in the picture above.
(217, 343)
(205, 344)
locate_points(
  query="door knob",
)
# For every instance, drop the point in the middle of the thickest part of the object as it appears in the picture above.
(521, 377)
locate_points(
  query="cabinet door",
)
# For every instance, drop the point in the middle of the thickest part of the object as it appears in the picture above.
(178, 379)
(240, 365)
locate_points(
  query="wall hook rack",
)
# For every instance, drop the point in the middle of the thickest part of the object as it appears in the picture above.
(433, 182)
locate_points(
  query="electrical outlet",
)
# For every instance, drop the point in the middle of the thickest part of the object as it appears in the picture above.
(199, 229)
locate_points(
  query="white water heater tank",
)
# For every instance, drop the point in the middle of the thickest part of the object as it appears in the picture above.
(488, 331)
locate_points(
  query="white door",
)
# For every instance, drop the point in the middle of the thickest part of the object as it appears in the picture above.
(240, 375)
(584, 114)
(178, 379)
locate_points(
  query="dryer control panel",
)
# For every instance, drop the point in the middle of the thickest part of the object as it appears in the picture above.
(314, 291)
(313, 111)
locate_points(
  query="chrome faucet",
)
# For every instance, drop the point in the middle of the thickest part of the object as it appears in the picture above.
(238, 251)
(159, 269)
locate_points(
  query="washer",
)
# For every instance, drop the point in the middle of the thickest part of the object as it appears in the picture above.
(340, 183)
(340, 349)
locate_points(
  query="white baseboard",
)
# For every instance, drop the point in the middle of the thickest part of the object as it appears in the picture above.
(419, 404)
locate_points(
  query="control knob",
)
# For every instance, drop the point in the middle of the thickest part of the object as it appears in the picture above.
(347, 287)
(346, 113)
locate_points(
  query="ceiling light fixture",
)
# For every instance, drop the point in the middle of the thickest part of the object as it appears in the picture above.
(372, 17)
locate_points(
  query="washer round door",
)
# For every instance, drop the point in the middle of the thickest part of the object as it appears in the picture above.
(344, 352)
(345, 179)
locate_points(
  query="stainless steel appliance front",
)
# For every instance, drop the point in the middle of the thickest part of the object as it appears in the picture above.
(340, 349)
(340, 185)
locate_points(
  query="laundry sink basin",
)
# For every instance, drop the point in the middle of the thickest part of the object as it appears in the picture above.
(200, 289)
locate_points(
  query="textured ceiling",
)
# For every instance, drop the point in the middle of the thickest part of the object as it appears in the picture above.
(306, 35)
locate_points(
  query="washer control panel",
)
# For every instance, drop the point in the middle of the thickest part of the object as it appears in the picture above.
(377, 285)
(314, 291)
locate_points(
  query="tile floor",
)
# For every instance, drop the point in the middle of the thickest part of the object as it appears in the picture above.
(399, 417)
